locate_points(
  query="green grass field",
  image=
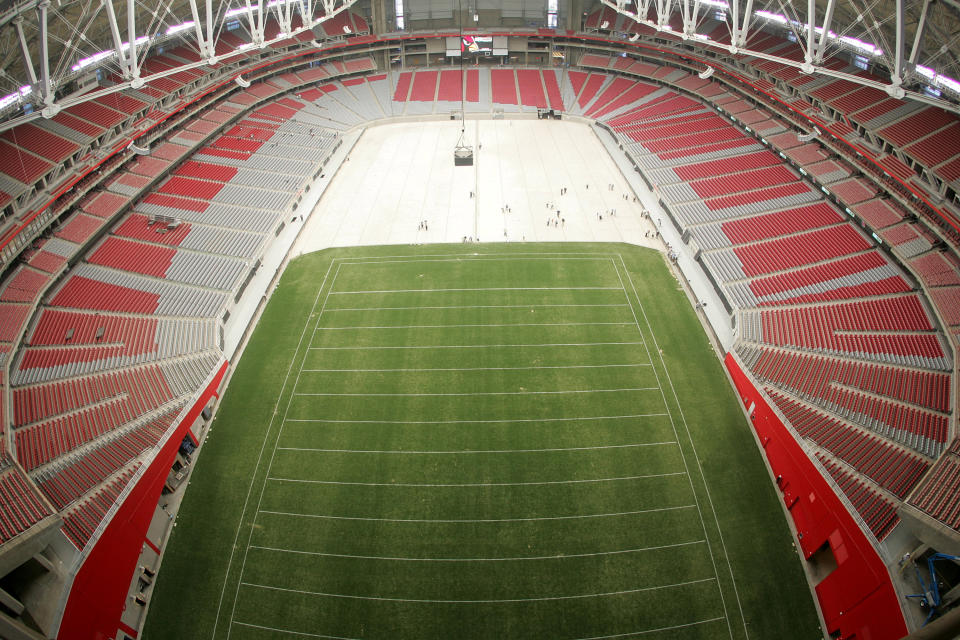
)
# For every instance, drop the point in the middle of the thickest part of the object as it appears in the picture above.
(480, 441)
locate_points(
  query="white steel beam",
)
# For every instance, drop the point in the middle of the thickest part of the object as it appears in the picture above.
(896, 74)
(211, 51)
(25, 50)
(197, 28)
(811, 36)
(132, 39)
(663, 13)
(745, 24)
(734, 25)
(889, 88)
(284, 14)
(46, 89)
(115, 34)
(918, 36)
(307, 13)
(822, 42)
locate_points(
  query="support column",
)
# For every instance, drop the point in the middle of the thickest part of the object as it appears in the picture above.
(378, 15)
(25, 50)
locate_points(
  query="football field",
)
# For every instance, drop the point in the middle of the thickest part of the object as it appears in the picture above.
(481, 441)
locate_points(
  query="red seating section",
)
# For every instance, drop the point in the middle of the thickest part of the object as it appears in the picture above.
(939, 493)
(206, 171)
(855, 328)
(823, 274)
(450, 88)
(813, 374)
(781, 223)
(40, 142)
(424, 86)
(139, 227)
(21, 165)
(403, 87)
(135, 335)
(530, 82)
(91, 468)
(890, 467)
(82, 521)
(20, 507)
(76, 411)
(743, 182)
(84, 293)
(132, 256)
(724, 166)
(503, 86)
(878, 512)
(806, 248)
(24, 285)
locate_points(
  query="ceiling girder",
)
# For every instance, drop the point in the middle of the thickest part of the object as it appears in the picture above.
(822, 42)
(814, 46)
(921, 28)
(25, 50)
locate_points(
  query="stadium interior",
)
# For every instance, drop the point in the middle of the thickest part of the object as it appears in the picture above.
(802, 160)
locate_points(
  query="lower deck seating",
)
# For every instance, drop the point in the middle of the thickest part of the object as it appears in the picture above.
(130, 334)
(830, 323)
(20, 505)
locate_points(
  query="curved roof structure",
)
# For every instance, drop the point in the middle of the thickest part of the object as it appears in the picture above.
(56, 53)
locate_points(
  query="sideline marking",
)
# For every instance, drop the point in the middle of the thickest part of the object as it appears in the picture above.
(293, 390)
(266, 436)
(647, 631)
(683, 457)
(686, 427)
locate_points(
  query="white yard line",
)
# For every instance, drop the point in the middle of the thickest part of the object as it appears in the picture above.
(468, 451)
(488, 601)
(425, 369)
(462, 485)
(290, 632)
(582, 516)
(470, 326)
(474, 393)
(658, 630)
(476, 346)
(476, 306)
(500, 421)
(502, 559)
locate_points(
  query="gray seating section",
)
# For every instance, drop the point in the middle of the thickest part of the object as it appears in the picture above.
(253, 198)
(382, 94)
(235, 217)
(185, 375)
(206, 270)
(174, 338)
(179, 300)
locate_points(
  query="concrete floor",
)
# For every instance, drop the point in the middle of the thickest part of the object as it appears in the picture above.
(400, 174)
